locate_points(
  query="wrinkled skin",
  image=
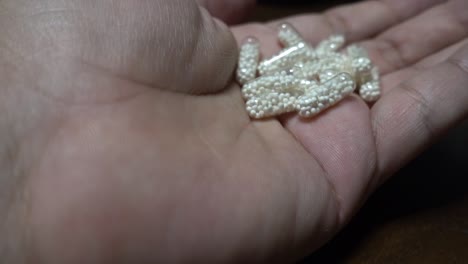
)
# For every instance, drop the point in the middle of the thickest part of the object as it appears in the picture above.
(124, 138)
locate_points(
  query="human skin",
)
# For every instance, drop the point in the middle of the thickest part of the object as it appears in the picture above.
(124, 138)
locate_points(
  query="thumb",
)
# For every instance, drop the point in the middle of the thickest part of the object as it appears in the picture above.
(174, 45)
(178, 46)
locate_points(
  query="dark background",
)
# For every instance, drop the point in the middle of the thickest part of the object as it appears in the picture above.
(421, 214)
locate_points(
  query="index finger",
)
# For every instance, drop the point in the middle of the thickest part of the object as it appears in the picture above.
(356, 21)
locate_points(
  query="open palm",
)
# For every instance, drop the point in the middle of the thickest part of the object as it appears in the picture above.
(142, 156)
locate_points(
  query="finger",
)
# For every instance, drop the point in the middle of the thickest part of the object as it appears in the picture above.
(441, 56)
(357, 21)
(414, 39)
(214, 58)
(395, 78)
(415, 113)
(142, 41)
(230, 11)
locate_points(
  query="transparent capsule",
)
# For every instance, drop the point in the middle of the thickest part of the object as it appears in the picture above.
(271, 104)
(355, 51)
(370, 90)
(288, 36)
(325, 95)
(279, 82)
(320, 69)
(362, 65)
(332, 44)
(286, 59)
(249, 57)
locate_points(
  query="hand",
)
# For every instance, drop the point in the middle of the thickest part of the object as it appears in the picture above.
(118, 158)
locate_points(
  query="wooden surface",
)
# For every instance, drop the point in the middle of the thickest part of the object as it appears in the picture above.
(420, 215)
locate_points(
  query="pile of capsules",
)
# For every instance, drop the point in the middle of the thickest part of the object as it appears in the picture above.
(304, 79)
